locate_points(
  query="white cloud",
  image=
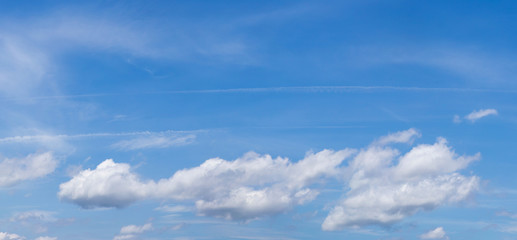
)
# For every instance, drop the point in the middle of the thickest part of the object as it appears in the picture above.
(10, 236)
(407, 136)
(246, 188)
(13, 171)
(478, 66)
(22, 66)
(36, 220)
(30, 50)
(44, 216)
(50, 137)
(456, 119)
(384, 191)
(154, 141)
(430, 160)
(140, 140)
(46, 238)
(476, 115)
(173, 209)
(178, 226)
(124, 237)
(130, 229)
(509, 228)
(506, 214)
(109, 185)
(437, 233)
(384, 186)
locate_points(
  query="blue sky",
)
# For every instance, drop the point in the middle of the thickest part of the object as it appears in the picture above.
(258, 120)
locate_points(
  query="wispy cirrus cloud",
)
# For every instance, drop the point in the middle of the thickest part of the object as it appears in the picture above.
(139, 140)
(473, 65)
(36, 220)
(45, 216)
(506, 214)
(289, 89)
(23, 67)
(159, 140)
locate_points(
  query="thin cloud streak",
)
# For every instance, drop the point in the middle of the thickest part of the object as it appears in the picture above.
(36, 138)
(301, 89)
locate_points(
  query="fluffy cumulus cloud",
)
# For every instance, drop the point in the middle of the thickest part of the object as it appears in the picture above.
(386, 186)
(109, 185)
(383, 184)
(246, 188)
(13, 171)
(437, 233)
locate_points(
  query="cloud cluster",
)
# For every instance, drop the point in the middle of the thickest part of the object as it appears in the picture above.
(13, 171)
(246, 188)
(385, 186)
(382, 184)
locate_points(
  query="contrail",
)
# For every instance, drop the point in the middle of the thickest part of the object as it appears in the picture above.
(330, 89)
(301, 89)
